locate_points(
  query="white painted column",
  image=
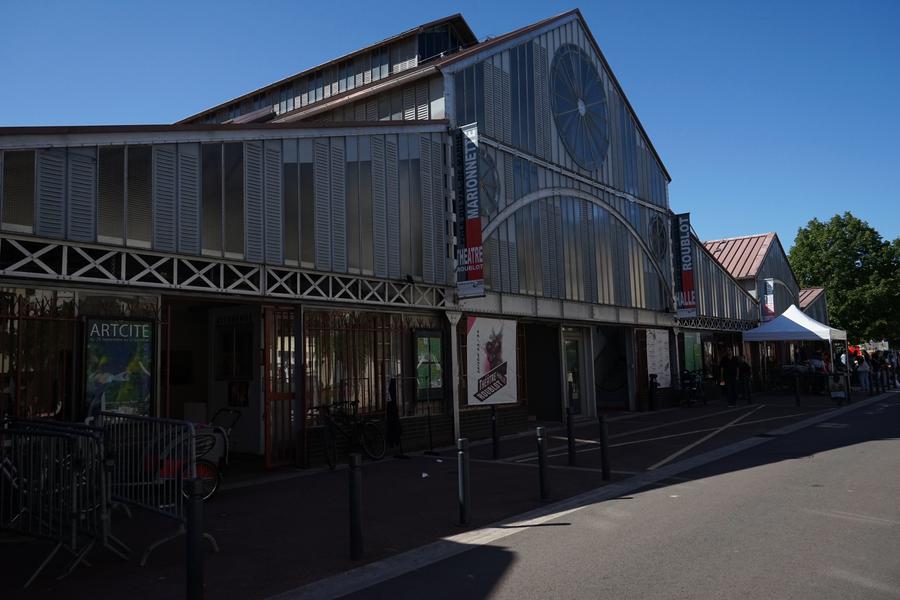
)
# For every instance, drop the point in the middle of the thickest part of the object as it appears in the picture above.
(454, 318)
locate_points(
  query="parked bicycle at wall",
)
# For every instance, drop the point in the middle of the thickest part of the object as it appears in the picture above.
(343, 419)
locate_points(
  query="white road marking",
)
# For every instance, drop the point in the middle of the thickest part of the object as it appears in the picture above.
(675, 455)
(840, 514)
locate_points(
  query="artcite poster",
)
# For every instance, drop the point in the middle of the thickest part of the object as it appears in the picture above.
(658, 356)
(118, 366)
(491, 361)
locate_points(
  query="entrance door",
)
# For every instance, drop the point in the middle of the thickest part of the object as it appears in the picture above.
(279, 386)
(574, 377)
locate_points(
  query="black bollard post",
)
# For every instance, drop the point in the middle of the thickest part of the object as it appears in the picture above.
(542, 464)
(570, 433)
(462, 465)
(651, 392)
(495, 433)
(604, 448)
(847, 388)
(194, 540)
(356, 504)
(797, 389)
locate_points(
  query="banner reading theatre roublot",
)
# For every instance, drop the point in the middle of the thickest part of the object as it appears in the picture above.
(470, 251)
(685, 292)
(118, 366)
(491, 361)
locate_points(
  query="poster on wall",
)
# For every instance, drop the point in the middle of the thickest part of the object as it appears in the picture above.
(469, 247)
(685, 291)
(768, 303)
(658, 356)
(491, 361)
(118, 366)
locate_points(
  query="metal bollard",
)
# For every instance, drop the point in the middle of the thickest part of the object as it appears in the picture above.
(495, 433)
(570, 433)
(194, 541)
(356, 534)
(542, 464)
(462, 464)
(651, 392)
(847, 388)
(604, 448)
(797, 390)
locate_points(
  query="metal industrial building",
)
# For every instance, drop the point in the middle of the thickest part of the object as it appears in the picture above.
(300, 244)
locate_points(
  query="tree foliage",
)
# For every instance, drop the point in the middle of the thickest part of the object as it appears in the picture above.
(859, 270)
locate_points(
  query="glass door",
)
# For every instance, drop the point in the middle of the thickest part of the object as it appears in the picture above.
(574, 385)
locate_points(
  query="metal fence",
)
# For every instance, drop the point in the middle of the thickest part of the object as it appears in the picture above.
(53, 486)
(152, 460)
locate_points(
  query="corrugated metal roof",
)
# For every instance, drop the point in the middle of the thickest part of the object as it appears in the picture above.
(810, 295)
(741, 256)
(456, 19)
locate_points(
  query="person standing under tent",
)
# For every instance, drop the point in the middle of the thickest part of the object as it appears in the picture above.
(745, 374)
(862, 370)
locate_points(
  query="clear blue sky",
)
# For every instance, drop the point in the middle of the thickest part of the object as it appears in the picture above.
(766, 114)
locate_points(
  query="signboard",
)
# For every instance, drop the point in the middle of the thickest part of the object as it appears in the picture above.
(658, 356)
(768, 303)
(469, 247)
(491, 361)
(118, 366)
(685, 290)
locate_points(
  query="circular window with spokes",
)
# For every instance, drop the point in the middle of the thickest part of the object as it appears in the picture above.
(578, 101)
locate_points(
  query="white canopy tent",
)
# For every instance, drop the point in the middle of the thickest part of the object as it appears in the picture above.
(794, 325)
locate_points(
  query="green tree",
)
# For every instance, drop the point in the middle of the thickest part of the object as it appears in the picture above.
(859, 270)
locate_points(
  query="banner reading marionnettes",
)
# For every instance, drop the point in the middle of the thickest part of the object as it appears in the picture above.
(768, 303)
(685, 290)
(491, 361)
(118, 366)
(470, 250)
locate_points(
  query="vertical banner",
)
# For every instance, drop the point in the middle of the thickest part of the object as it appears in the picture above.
(470, 251)
(768, 303)
(118, 366)
(658, 361)
(491, 361)
(685, 290)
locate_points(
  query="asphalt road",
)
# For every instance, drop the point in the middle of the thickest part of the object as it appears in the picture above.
(814, 514)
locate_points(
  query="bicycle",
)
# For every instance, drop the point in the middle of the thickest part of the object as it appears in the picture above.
(343, 417)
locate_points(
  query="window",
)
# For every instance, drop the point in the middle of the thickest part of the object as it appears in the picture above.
(212, 198)
(365, 205)
(291, 202)
(307, 205)
(429, 365)
(111, 203)
(352, 207)
(140, 174)
(18, 190)
(234, 199)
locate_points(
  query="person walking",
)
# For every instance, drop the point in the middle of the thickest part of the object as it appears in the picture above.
(862, 370)
(745, 375)
(728, 373)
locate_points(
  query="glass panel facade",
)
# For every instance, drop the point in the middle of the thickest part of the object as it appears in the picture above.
(140, 174)
(290, 189)
(307, 205)
(111, 203)
(234, 199)
(211, 181)
(18, 189)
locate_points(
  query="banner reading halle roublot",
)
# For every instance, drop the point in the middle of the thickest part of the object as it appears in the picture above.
(491, 361)
(118, 366)
(470, 250)
(685, 290)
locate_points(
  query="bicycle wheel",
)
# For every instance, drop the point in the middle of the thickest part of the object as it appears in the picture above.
(210, 479)
(372, 440)
(330, 447)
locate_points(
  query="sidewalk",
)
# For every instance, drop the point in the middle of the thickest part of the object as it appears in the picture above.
(292, 528)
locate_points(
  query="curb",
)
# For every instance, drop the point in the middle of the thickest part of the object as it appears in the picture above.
(377, 572)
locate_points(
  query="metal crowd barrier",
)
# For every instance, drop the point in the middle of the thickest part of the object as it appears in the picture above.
(152, 461)
(53, 486)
